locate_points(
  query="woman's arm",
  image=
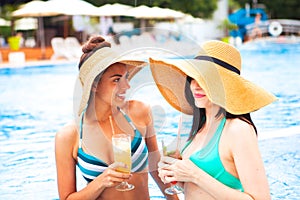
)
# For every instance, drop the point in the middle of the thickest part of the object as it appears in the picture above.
(154, 157)
(141, 114)
(66, 145)
(247, 161)
(65, 141)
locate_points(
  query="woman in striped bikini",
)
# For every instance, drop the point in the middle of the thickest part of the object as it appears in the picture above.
(86, 142)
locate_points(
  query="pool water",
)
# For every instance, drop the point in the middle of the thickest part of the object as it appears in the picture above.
(36, 101)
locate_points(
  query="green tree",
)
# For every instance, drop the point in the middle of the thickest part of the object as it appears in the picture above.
(289, 9)
(277, 9)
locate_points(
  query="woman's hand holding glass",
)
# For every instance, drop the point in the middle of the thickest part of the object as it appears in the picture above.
(164, 169)
(122, 153)
(169, 157)
(171, 169)
(111, 177)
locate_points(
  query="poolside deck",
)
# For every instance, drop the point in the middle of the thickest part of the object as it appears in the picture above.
(143, 47)
(33, 57)
(30, 53)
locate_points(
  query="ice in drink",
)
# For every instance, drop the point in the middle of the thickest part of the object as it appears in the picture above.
(122, 151)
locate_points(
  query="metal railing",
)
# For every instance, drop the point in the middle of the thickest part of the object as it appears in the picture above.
(275, 26)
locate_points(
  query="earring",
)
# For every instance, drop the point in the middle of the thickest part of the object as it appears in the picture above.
(94, 88)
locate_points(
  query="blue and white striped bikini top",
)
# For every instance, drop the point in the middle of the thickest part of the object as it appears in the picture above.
(91, 167)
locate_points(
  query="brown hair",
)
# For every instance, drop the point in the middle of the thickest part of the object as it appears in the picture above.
(93, 44)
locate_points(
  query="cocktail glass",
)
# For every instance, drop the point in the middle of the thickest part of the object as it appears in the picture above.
(122, 153)
(174, 153)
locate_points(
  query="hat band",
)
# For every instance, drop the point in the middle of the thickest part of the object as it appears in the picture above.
(219, 62)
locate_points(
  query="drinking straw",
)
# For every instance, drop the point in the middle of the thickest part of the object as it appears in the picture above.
(178, 132)
(111, 124)
(163, 148)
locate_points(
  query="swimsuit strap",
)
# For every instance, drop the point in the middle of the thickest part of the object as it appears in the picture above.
(127, 118)
(216, 136)
(81, 123)
(80, 127)
(91, 166)
(124, 114)
(220, 128)
(187, 143)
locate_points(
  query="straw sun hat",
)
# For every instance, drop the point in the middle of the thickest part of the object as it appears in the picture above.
(216, 68)
(99, 61)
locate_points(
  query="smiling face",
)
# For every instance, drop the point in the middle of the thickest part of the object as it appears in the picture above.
(113, 84)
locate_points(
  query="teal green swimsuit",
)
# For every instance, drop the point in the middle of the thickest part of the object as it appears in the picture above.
(208, 159)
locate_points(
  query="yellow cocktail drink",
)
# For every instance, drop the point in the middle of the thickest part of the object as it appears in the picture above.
(122, 153)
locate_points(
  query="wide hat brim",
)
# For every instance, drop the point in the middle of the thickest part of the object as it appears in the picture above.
(225, 88)
(96, 64)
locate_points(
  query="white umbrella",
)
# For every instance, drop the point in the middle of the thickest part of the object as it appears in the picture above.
(73, 7)
(37, 9)
(188, 18)
(145, 12)
(115, 9)
(27, 23)
(142, 12)
(172, 13)
(4, 22)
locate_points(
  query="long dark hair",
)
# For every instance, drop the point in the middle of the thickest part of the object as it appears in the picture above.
(199, 114)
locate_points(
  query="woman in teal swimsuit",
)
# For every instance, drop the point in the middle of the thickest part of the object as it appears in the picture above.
(221, 159)
(86, 142)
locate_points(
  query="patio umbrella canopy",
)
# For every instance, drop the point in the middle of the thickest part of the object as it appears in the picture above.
(4, 22)
(73, 7)
(37, 9)
(145, 12)
(27, 23)
(41, 9)
(115, 9)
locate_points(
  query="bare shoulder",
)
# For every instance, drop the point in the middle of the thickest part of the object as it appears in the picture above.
(138, 108)
(240, 137)
(140, 112)
(237, 129)
(67, 135)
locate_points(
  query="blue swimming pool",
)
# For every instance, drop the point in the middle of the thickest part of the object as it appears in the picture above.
(36, 101)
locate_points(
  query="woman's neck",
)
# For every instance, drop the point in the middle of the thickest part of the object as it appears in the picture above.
(211, 112)
(101, 112)
(211, 117)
